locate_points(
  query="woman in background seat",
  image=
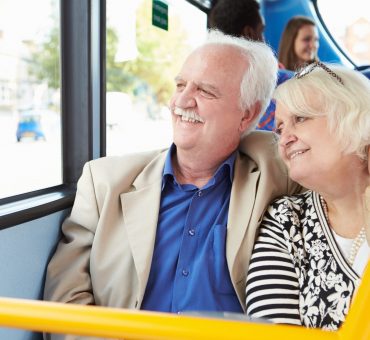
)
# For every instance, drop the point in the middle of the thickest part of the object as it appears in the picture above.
(299, 43)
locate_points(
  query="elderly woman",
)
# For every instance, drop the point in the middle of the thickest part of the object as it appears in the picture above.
(312, 250)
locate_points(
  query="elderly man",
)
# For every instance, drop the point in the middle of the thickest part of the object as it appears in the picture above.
(172, 230)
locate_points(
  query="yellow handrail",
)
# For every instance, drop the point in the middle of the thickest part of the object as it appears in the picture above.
(118, 323)
(357, 323)
(107, 322)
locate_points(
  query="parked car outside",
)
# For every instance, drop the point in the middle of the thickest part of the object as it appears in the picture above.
(37, 124)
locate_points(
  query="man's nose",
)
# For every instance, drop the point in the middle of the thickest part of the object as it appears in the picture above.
(185, 98)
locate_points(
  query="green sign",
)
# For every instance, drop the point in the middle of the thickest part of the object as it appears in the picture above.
(160, 14)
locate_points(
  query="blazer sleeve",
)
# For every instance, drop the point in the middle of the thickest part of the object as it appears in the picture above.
(67, 278)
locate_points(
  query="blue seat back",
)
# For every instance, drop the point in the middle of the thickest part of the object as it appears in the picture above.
(267, 121)
(25, 251)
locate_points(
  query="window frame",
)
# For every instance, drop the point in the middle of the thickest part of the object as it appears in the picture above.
(83, 29)
(82, 86)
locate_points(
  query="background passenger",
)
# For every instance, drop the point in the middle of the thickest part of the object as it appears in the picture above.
(173, 230)
(242, 18)
(299, 43)
(311, 250)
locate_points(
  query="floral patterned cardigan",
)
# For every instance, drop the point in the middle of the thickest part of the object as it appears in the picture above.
(297, 273)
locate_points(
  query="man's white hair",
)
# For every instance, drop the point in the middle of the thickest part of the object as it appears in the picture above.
(259, 79)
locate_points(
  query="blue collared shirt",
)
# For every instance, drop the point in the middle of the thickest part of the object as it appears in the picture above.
(189, 271)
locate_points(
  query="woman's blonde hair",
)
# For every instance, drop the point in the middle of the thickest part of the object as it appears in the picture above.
(346, 104)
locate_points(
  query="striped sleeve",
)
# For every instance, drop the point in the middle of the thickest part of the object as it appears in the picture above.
(272, 290)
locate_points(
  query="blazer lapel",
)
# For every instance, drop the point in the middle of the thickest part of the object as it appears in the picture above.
(140, 213)
(240, 211)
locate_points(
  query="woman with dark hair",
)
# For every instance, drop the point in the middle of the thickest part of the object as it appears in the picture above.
(299, 43)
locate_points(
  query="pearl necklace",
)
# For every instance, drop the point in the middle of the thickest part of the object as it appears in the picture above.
(357, 242)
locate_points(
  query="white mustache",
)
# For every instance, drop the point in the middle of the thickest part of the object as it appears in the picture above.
(188, 115)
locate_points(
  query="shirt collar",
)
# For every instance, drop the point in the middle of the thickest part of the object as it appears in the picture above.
(228, 164)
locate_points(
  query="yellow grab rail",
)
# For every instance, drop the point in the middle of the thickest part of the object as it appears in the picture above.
(119, 323)
(357, 323)
(52, 317)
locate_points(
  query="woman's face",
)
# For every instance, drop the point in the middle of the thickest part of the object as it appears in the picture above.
(312, 154)
(306, 44)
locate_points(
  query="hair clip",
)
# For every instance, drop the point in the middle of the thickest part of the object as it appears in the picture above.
(309, 68)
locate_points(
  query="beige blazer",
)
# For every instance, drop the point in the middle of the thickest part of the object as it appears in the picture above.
(105, 255)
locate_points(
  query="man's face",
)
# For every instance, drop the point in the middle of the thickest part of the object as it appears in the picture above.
(206, 112)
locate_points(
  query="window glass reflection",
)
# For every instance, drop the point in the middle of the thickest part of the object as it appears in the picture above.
(142, 61)
(30, 138)
(353, 33)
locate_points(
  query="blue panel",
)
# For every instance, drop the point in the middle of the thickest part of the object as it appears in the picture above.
(366, 72)
(25, 251)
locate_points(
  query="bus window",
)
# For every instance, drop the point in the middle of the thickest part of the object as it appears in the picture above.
(30, 138)
(353, 33)
(142, 61)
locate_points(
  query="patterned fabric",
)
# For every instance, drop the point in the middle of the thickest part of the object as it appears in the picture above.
(267, 121)
(297, 273)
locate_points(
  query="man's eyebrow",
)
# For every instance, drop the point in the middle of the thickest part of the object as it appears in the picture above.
(210, 87)
(179, 78)
(202, 85)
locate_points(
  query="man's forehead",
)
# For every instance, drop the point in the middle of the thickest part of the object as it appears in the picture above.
(219, 50)
(221, 56)
(217, 66)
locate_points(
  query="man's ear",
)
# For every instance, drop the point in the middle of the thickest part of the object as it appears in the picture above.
(250, 115)
(249, 32)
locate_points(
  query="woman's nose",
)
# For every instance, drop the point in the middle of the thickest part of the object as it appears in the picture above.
(313, 44)
(287, 137)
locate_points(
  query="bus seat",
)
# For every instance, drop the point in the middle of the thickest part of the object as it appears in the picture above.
(365, 71)
(25, 250)
(267, 121)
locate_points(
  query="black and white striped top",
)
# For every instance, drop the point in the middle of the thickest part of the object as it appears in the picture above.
(297, 273)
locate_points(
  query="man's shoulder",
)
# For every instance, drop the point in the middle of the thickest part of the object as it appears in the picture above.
(126, 168)
(129, 160)
(260, 146)
(259, 150)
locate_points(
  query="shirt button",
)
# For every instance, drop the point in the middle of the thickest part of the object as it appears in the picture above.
(185, 272)
(191, 232)
(200, 193)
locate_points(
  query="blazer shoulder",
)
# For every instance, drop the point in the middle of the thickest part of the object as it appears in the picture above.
(131, 160)
(261, 147)
(122, 170)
